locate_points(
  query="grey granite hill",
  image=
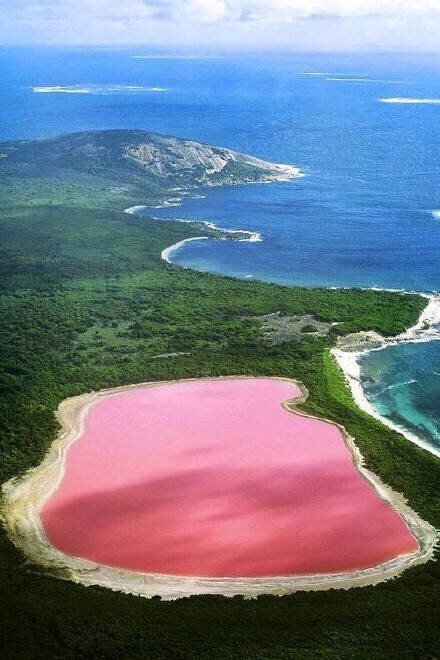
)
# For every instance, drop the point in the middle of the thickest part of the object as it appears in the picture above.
(136, 157)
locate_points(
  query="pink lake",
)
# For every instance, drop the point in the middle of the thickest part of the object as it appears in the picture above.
(216, 478)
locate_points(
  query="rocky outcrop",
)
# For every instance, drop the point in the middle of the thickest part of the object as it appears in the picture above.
(168, 156)
(137, 156)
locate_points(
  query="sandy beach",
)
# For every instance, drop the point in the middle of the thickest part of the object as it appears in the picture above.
(253, 237)
(234, 234)
(25, 498)
(168, 251)
(348, 360)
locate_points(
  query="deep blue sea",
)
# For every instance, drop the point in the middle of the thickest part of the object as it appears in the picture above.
(364, 214)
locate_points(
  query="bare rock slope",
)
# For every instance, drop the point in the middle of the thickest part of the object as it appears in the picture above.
(137, 156)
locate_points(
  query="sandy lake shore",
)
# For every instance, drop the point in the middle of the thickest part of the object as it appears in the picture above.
(23, 499)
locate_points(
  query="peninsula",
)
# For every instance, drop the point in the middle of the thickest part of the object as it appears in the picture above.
(88, 304)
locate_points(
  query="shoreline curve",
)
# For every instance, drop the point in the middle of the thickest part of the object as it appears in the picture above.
(24, 497)
(348, 361)
(246, 235)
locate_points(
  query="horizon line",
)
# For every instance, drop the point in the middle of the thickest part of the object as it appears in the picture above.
(207, 49)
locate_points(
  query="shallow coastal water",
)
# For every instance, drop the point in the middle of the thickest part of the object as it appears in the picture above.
(402, 383)
(365, 133)
(215, 478)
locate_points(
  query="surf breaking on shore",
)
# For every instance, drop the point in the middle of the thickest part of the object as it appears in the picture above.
(350, 350)
(239, 235)
(280, 172)
(249, 237)
(426, 329)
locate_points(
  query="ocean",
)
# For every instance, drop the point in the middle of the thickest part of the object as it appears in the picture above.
(364, 129)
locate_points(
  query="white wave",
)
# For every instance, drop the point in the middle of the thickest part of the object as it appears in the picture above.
(349, 365)
(409, 100)
(393, 387)
(208, 224)
(134, 209)
(166, 205)
(171, 249)
(426, 329)
(167, 252)
(94, 89)
(284, 173)
(172, 201)
(435, 214)
(251, 236)
(406, 382)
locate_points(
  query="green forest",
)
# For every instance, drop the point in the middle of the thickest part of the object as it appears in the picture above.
(85, 303)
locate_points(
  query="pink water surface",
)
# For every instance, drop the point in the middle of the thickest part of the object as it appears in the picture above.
(215, 478)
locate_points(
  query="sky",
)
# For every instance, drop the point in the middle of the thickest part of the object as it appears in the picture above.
(299, 25)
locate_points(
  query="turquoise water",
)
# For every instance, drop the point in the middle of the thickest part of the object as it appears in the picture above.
(402, 382)
(363, 214)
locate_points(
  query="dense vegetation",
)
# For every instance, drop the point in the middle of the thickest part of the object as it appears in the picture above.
(130, 159)
(87, 303)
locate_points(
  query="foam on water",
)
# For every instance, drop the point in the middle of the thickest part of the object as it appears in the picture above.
(412, 405)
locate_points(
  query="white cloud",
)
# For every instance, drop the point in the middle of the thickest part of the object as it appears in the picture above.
(278, 10)
(209, 11)
(216, 10)
(412, 23)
